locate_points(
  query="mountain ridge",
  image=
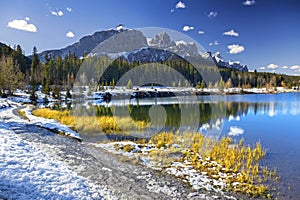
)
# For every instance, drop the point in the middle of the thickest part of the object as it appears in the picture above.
(85, 44)
(135, 40)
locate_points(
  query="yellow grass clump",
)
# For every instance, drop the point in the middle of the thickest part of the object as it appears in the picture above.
(23, 114)
(239, 162)
(107, 124)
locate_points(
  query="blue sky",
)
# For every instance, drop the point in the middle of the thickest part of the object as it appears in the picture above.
(264, 34)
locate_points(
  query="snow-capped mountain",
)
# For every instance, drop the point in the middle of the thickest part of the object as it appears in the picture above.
(217, 58)
(133, 46)
(161, 40)
(182, 48)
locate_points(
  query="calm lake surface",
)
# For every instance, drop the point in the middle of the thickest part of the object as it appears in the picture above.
(272, 119)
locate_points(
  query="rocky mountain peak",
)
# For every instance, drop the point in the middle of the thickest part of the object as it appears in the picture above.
(126, 41)
(161, 40)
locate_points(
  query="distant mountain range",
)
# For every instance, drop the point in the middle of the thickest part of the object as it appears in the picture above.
(138, 48)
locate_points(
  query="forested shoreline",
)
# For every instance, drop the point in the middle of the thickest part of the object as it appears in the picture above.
(58, 74)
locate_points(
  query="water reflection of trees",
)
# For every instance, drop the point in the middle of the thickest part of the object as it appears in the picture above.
(202, 112)
(205, 112)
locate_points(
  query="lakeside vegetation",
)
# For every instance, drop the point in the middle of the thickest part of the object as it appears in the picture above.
(90, 124)
(240, 162)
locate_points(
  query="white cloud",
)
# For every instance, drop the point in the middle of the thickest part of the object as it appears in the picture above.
(249, 2)
(201, 32)
(235, 131)
(262, 68)
(231, 33)
(272, 66)
(294, 67)
(69, 9)
(70, 34)
(212, 14)
(187, 28)
(235, 48)
(27, 18)
(172, 10)
(59, 13)
(22, 25)
(180, 5)
(214, 43)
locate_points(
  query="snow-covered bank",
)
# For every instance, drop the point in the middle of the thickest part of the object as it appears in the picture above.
(181, 90)
(119, 93)
(50, 124)
(4, 104)
(26, 172)
(7, 107)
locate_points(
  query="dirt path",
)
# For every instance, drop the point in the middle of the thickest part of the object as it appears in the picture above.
(125, 179)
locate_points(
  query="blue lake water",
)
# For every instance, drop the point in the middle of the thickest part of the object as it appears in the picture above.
(276, 125)
(272, 119)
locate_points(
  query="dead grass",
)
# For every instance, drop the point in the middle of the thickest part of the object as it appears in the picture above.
(22, 114)
(240, 162)
(91, 124)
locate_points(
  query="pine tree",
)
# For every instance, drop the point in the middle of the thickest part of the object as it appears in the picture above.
(34, 74)
(46, 76)
(11, 78)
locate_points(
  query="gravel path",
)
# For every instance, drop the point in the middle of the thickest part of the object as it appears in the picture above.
(123, 178)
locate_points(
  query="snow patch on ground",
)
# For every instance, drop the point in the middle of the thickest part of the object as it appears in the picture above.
(26, 172)
(197, 180)
(4, 105)
(143, 150)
